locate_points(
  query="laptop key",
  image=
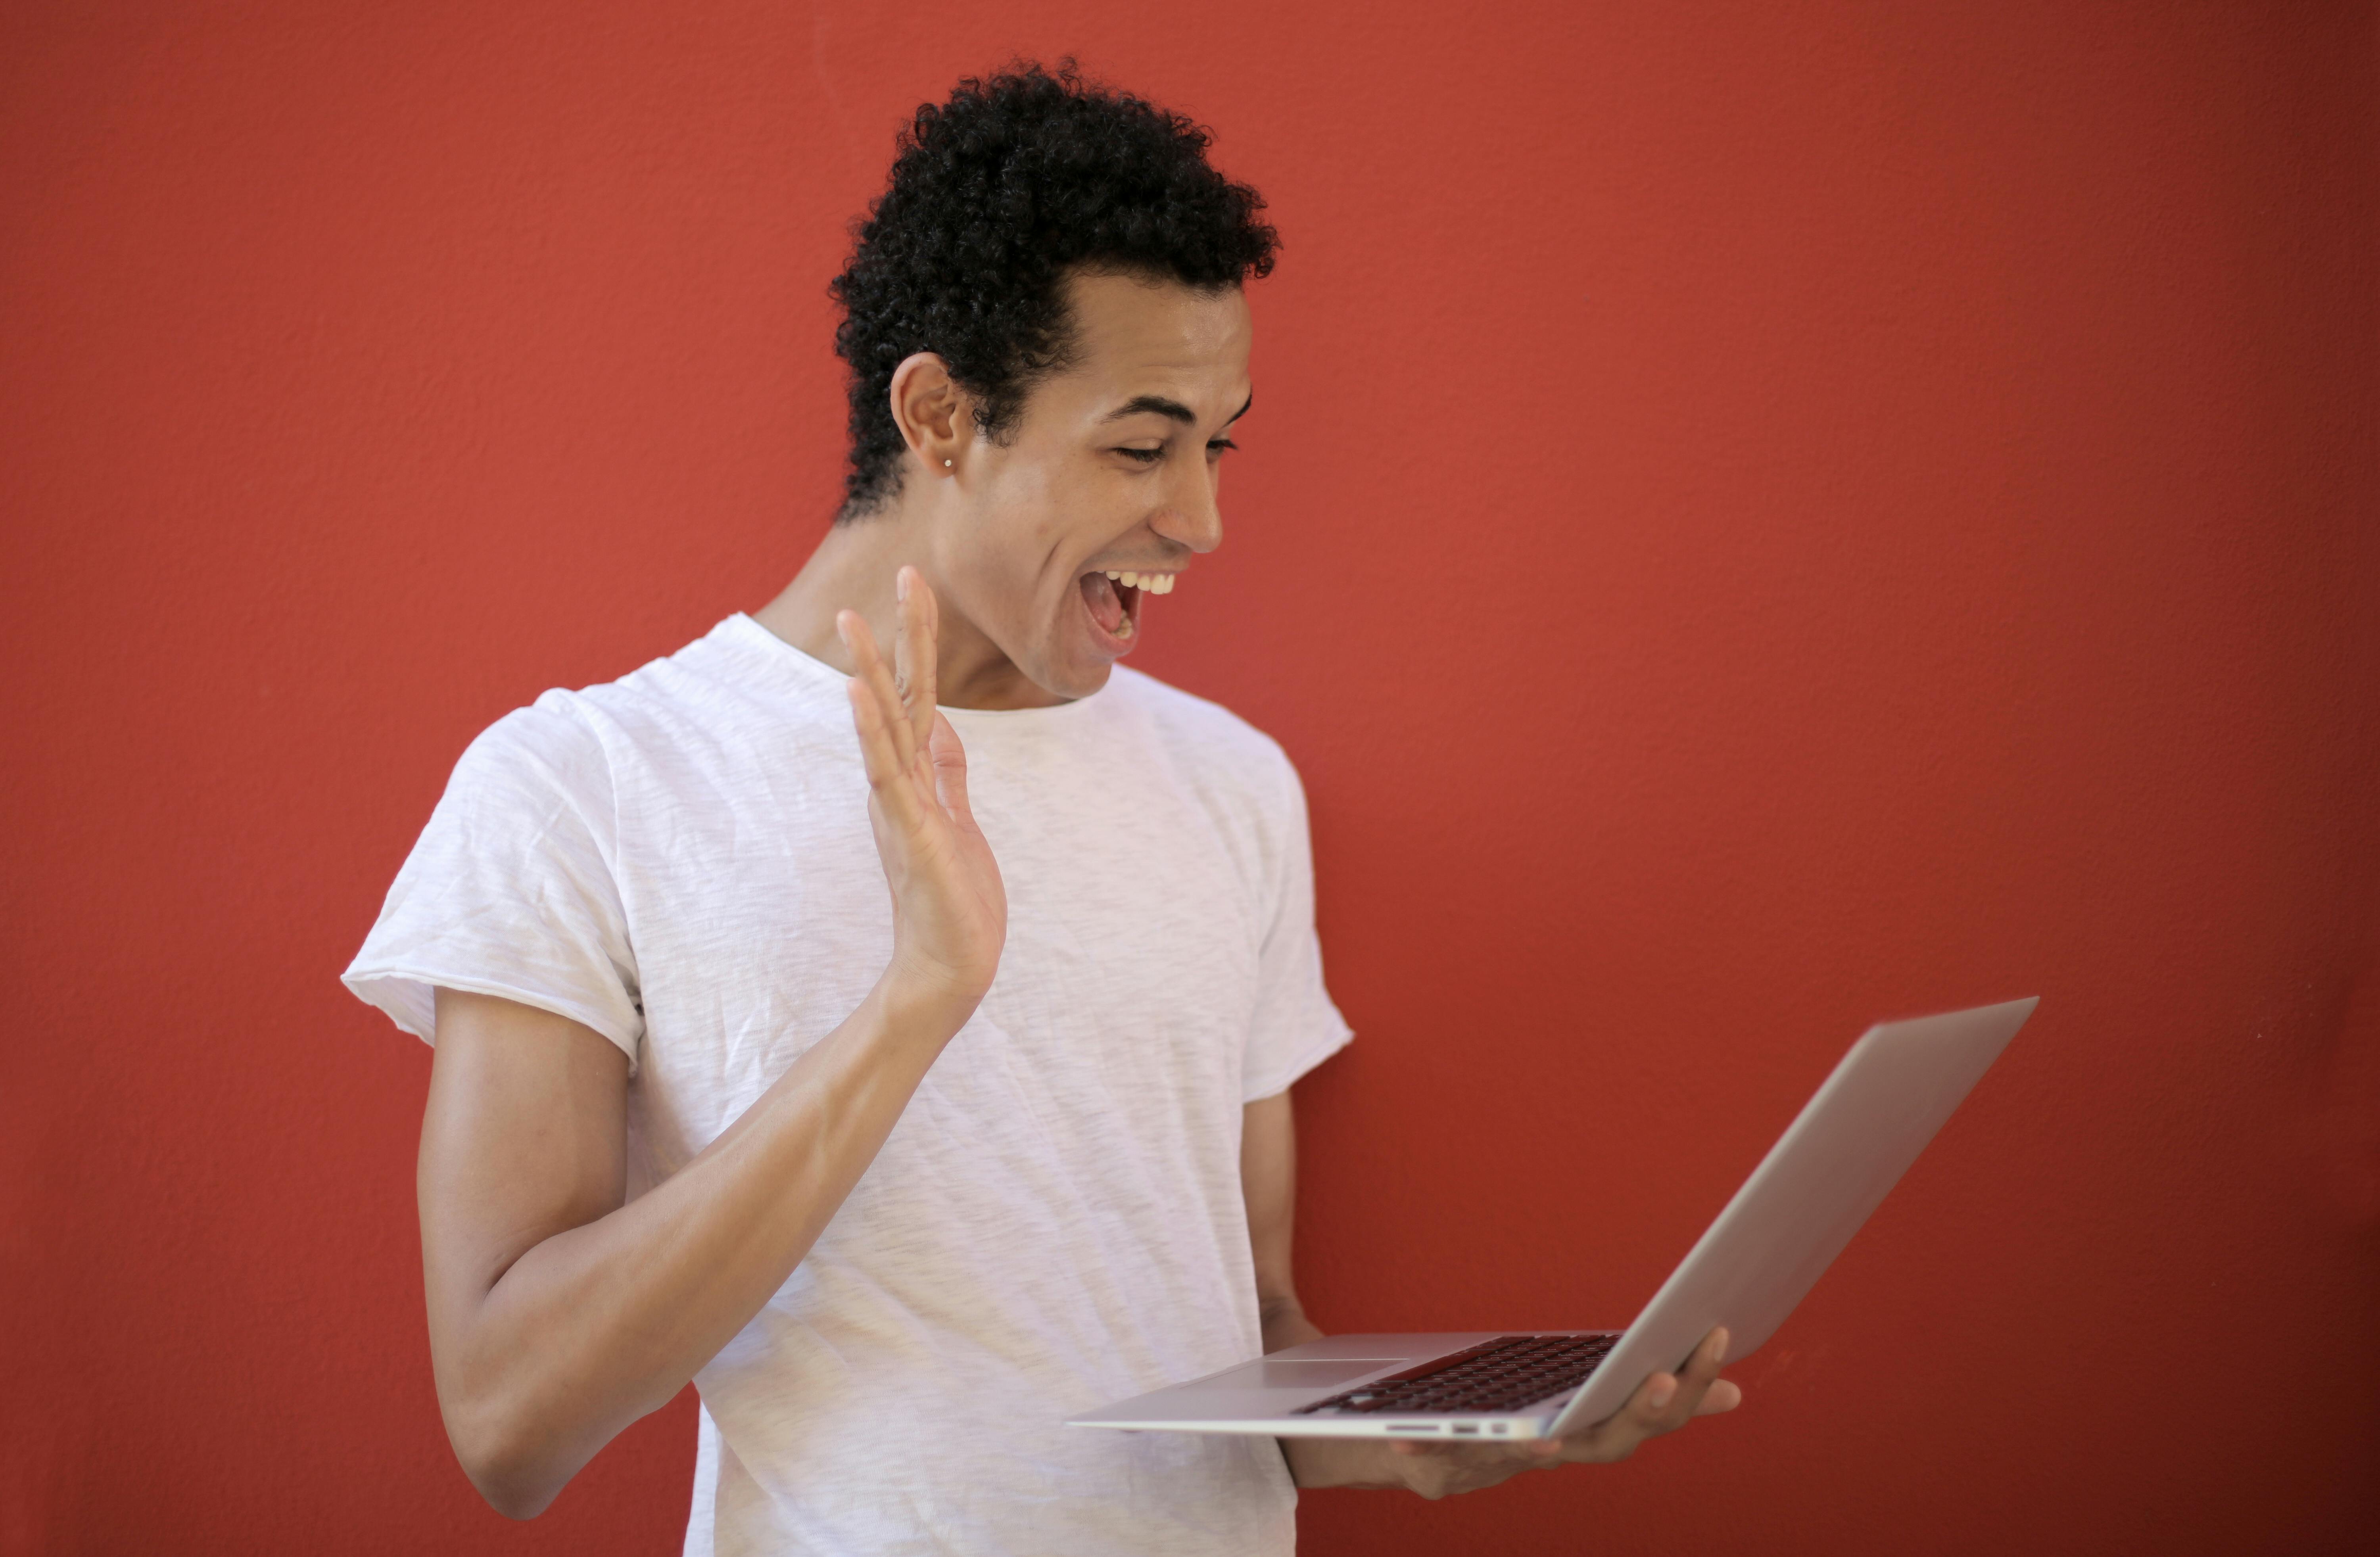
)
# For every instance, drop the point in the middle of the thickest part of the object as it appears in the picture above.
(1499, 1375)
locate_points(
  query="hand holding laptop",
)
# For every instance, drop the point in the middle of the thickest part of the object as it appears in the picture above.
(1594, 1396)
(1664, 1402)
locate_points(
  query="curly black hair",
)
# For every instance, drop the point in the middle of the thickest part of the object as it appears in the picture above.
(994, 197)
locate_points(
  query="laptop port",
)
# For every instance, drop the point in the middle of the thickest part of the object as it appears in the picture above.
(1466, 1427)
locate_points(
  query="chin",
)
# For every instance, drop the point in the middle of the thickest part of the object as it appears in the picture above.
(1079, 682)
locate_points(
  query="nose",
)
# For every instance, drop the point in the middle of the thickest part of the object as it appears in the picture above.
(1192, 516)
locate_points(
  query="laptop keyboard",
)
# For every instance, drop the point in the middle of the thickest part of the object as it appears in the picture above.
(1501, 1375)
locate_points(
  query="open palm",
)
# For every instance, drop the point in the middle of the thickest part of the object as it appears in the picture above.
(949, 911)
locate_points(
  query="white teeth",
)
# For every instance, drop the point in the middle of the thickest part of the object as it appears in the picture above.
(1153, 583)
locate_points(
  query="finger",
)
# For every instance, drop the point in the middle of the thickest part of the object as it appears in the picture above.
(1616, 1436)
(1651, 1407)
(1695, 1381)
(876, 749)
(1668, 1402)
(1724, 1394)
(901, 643)
(868, 664)
(918, 652)
(870, 667)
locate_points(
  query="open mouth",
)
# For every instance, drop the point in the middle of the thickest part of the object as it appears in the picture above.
(1113, 599)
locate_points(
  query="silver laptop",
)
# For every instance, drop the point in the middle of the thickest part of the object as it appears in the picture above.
(1784, 1227)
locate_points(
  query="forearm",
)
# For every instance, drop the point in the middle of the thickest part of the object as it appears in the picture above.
(1341, 1462)
(594, 1327)
(1322, 1461)
(1284, 1322)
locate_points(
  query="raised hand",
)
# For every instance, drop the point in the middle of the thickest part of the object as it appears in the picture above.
(949, 911)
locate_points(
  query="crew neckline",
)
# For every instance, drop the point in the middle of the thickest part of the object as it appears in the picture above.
(748, 628)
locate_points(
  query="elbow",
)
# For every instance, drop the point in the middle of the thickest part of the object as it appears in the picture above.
(514, 1497)
(510, 1468)
(511, 1483)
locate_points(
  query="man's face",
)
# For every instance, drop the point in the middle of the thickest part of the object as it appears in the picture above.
(1113, 468)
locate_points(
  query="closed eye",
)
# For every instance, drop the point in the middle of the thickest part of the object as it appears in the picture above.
(1150, 457)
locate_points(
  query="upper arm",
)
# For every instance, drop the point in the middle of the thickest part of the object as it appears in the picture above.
(525, 1137)
(1269, 1182)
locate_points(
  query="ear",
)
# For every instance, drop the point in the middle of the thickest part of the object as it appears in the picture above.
(935, 416)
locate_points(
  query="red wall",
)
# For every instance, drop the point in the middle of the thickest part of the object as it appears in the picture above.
(1758, 517)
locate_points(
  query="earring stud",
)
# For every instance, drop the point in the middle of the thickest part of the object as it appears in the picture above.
(946, 465)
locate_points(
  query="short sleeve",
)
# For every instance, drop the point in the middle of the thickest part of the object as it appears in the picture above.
(511, 890)
(1296, 1027)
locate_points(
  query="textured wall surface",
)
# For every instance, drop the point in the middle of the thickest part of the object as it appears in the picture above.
(1756, 519)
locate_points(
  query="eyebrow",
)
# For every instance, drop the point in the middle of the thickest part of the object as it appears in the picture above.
(1174, 410)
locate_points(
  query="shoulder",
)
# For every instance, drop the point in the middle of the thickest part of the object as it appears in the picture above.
(578, 736)
(1211, 741)
(568, 740)
(529, 769)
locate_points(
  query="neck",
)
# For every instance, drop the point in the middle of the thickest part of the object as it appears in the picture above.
(852, 570)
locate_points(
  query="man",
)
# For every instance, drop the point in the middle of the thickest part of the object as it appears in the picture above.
(902, 1178)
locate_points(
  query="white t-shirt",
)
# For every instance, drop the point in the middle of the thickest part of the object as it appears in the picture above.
(681, 860)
